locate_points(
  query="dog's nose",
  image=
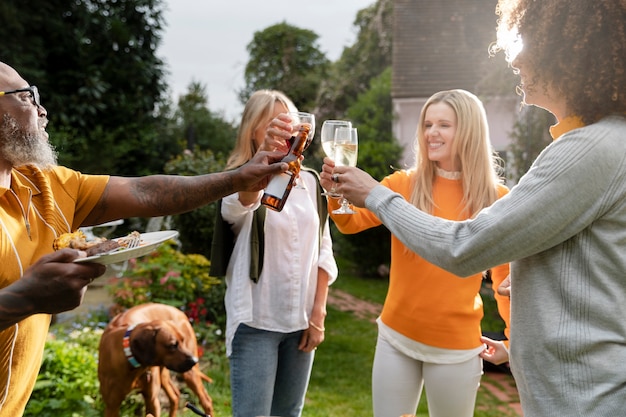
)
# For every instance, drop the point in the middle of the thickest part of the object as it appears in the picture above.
(187, 364)
(182, 364)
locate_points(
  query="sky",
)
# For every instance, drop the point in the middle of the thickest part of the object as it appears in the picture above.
(205, 40)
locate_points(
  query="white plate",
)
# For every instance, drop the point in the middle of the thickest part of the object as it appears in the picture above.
(149, 242)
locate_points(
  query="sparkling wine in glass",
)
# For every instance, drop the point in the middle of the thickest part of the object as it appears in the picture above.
(327, 137)
(346, 148)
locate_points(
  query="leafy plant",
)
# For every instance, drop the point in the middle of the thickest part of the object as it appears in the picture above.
(170, 277)
(67, 384)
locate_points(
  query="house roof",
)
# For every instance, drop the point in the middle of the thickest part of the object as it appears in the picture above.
(443, 44)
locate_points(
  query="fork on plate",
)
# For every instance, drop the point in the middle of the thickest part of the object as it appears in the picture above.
(132, 241)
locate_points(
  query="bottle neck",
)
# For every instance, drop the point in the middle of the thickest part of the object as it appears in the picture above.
(297, 147)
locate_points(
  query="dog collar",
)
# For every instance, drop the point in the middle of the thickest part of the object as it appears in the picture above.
(127, 351)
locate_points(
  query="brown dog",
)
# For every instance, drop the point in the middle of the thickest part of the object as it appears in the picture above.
(136, 350)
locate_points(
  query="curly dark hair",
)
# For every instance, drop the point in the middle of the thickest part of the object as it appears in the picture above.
(577, 47)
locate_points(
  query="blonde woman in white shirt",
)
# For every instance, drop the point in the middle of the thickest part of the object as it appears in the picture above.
(275, 322)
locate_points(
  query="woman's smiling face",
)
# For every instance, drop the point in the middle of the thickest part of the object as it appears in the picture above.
(440, 123)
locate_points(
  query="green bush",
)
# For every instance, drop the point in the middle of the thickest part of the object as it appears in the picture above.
(67, 384)
(170, 277)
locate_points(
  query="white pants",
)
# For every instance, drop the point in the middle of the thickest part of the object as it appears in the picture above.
(397, 382)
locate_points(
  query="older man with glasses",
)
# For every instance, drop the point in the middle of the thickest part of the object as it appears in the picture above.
(32, 90)
(40, 200)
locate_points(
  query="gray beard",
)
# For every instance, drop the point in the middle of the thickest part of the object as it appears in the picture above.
(20, 147)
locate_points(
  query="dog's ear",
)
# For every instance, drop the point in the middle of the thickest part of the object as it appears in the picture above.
(143, 344)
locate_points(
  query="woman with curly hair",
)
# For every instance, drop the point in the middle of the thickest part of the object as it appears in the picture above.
(563, 226)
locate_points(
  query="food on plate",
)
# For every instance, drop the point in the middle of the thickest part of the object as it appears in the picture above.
(97, 246)
(102, 247)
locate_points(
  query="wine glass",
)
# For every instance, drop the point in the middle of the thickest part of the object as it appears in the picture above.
(346, 151)
(299, 118)
(327, 137)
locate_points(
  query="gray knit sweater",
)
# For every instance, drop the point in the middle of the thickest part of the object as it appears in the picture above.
(563, 227)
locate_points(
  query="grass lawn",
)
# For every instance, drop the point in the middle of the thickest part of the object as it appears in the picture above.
(340, 383)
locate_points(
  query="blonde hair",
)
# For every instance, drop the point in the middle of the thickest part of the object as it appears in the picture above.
(471, 146)
(257, 112)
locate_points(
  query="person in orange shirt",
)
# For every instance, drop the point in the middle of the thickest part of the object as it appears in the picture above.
(429, 330)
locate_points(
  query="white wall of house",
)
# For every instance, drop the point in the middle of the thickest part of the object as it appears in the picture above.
(502, 113)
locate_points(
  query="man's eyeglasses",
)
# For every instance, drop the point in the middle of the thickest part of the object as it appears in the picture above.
(34, 94)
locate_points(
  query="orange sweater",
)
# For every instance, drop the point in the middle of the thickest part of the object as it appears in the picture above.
(425, 302)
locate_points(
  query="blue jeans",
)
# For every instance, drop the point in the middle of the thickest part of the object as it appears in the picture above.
(268, 374)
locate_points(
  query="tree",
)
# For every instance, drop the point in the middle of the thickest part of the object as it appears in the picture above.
(207, 140)
(198, 128)
(372, 113)
(96, 66)
(360, 63)
(286, 58)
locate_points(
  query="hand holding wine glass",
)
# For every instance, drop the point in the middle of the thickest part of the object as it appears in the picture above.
(345, 154)
(327, 137)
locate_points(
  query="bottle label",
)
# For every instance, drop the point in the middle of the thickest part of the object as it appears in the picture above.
(278, 184)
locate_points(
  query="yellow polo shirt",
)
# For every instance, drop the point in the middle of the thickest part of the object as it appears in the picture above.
(37, 208)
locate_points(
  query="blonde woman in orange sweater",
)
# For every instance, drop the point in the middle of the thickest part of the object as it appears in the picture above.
(429, 330)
